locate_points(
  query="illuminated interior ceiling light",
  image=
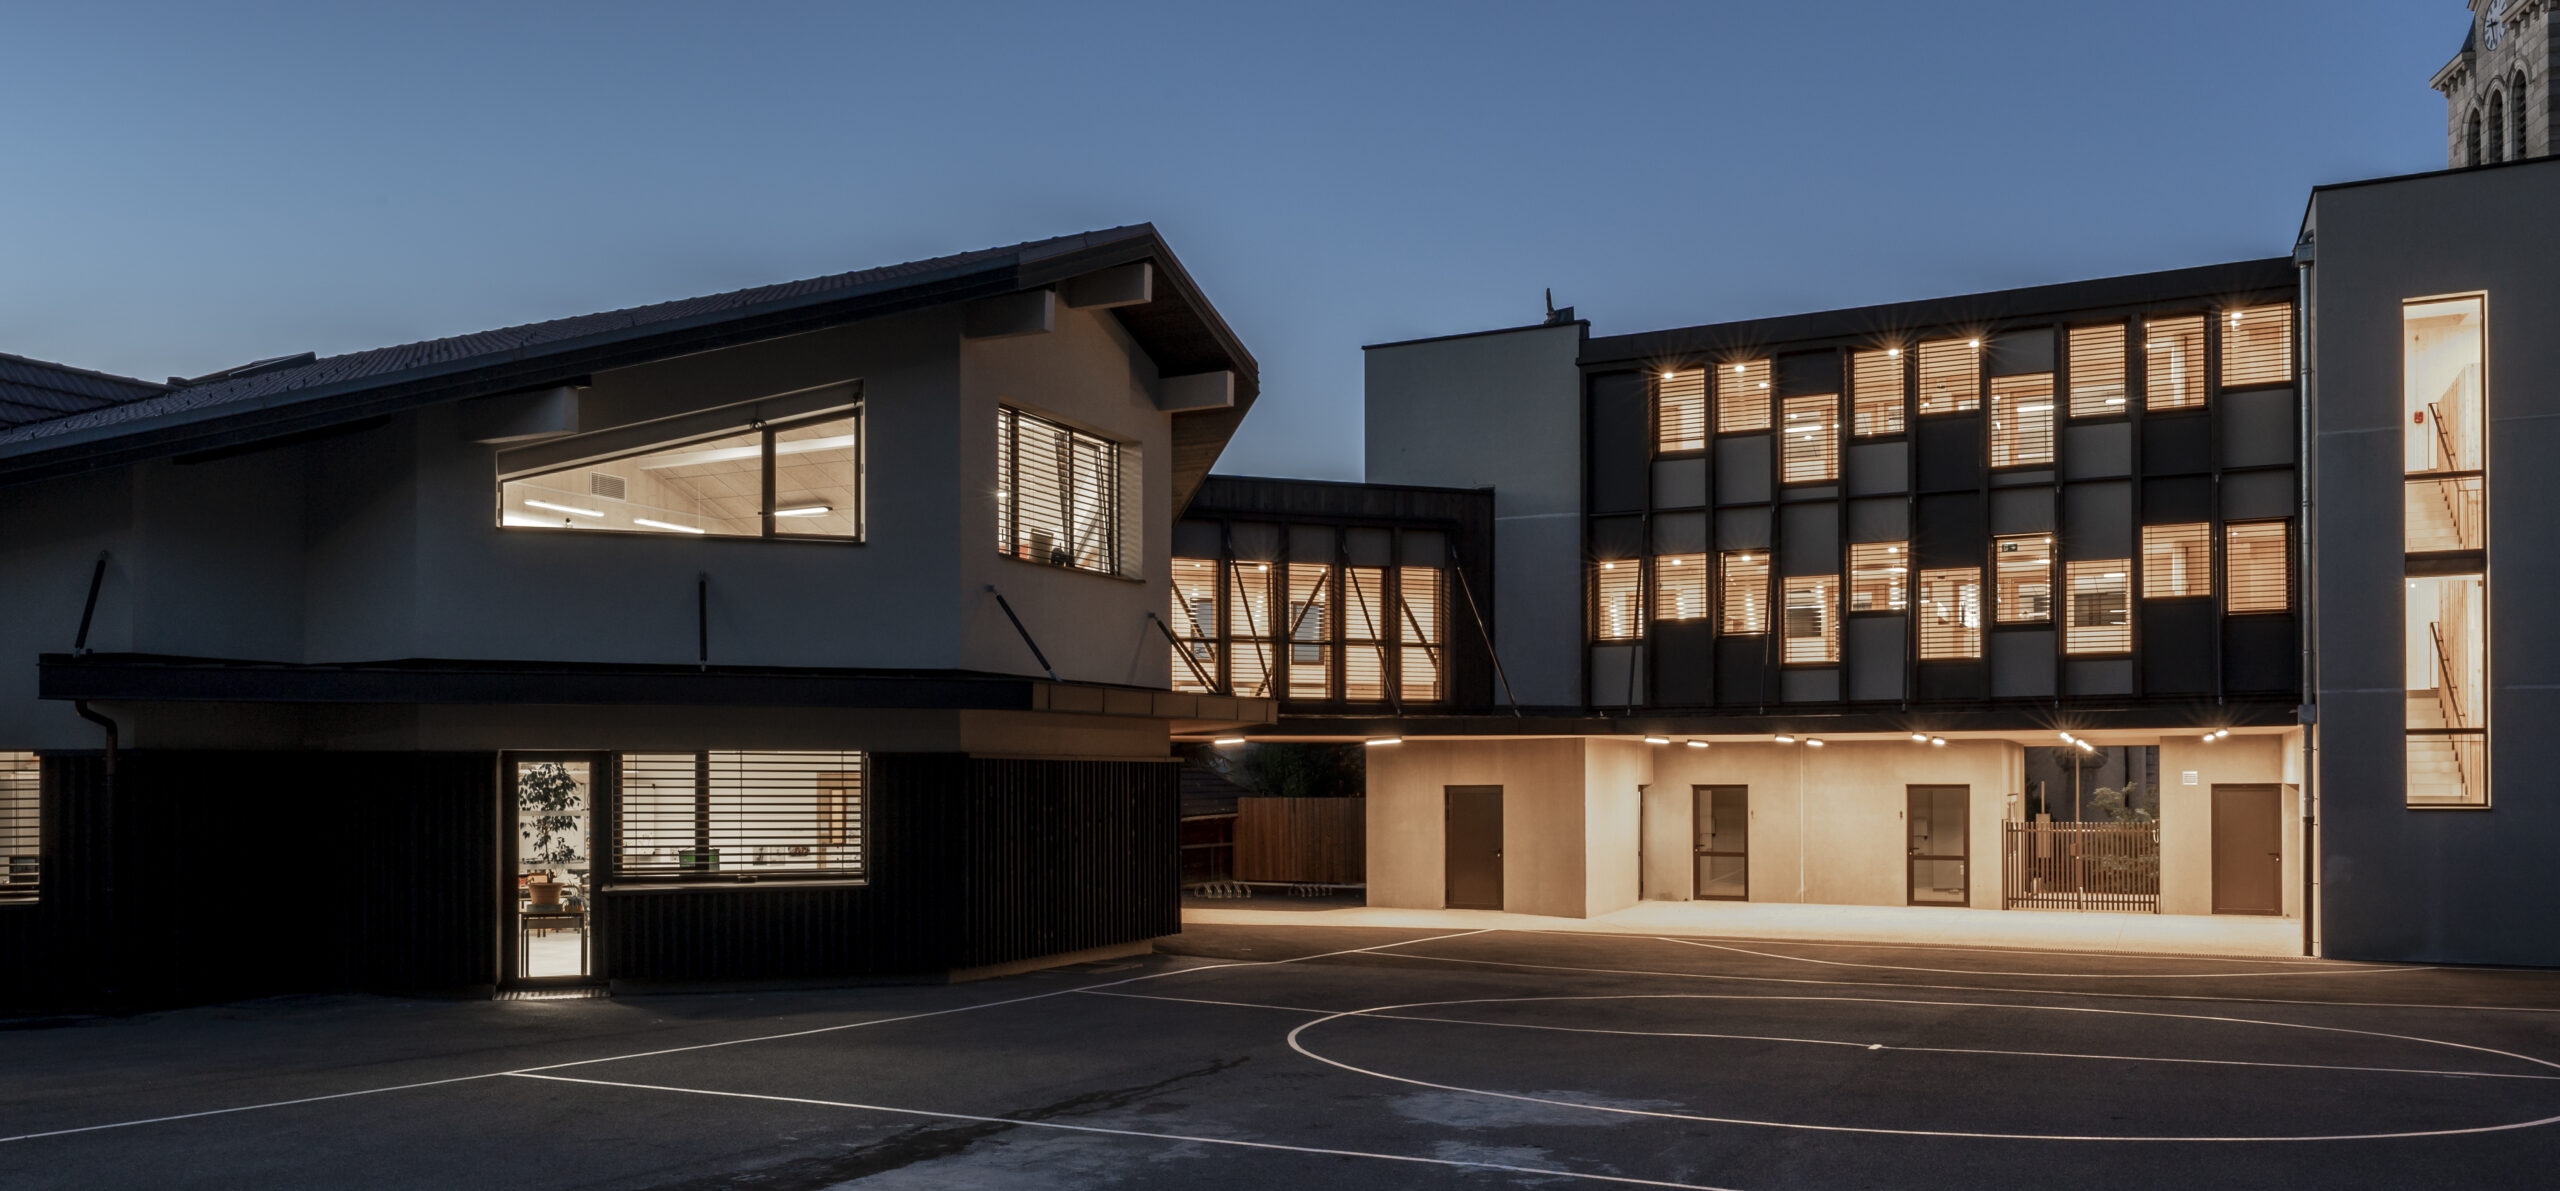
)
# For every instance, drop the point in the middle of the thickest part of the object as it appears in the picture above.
(544, 504)
(1657, 740)
(1262, 566)
(666, 525)
(2115, 400)
(2087, 747)
(2222, 733)
(1938, 742)
(1919, 738)
(805, 511)
(2208, 738)
(1813, 744)
(2035, 409)
(1383, 740)
(1675, 562)
(1227, 741)
(1608, 566)
(1973, 343)
(1737, 367)
(1783, 738)
(2066, 739)
(1892, 353)
(1668, 375)
(1697, 744)
(1764, 384)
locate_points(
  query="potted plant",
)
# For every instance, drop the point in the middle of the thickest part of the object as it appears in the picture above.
(549, 803)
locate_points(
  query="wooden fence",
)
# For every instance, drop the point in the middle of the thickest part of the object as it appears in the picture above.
(2081, 866)
(1316, 841)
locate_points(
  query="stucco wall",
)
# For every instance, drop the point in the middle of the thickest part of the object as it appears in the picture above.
(2186, 815)
(1544, 820)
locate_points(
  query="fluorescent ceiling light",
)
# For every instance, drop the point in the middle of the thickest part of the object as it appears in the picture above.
(1937, 742)
(1384, 740)
(1697, 744)
(544, 504)
(1657, 740)
(1224, 741)
(2035, 409)
(1919, 738)
(805, 511)
(666, 525)
(1813, 744)
(1786, 739)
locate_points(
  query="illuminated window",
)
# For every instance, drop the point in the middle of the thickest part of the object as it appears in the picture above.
(1810, 452)
(2101, 606)
(2022, 578)
(1063, 496)
(1680, 410)
(1421, 665)
(789, 480)
(1951, 613)
(1812, 619)
(2444, 453)
(1875, 391)
(732, 816)
(1879, 576)
(2257, 346)
(2177, 561)
(21, 827)
(2173, 362)
(1680, 587)
(1366, 632)
(2022, 420)
(1195, 624)
(2447, 706)
(2258, 559)
(1742, 396)
(2097, 370)
(1950, 375)
(1253, 629)
(1617, 600)
(1309, 631)
(1746, 592)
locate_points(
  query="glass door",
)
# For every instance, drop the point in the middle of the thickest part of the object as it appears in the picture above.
(550, 888)
(1937, 821)
(1723, 820)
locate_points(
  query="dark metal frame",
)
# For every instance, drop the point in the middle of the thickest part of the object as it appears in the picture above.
(1707, 793)
(602, 789)
(1912, 859)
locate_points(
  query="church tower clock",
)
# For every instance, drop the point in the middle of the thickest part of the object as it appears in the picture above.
(2497, 91)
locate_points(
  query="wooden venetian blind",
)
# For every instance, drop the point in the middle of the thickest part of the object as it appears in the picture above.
(733, 816)
(1812, 619)
(1617, 600)
(2022, 578)
(1366, 629)
(1680, 587)
(1951, 612)
(2257, 346)
(1253, 623)
(1742, 396)
(1809, 449)
(1680, 410)
(2259, 559)
(1420, 668)
(1308, 628)
(1746, 592)
(21, 827)
(2173, 362)
(2022, 420)
(2097, 370)
(1875, 392)
(1950, 375)
(1194, 622)
(2177, 561)
(1879, 576)
(1059, 489)
(2100, 619)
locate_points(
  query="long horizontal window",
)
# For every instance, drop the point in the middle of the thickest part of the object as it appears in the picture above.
(2101, 606)
(738, 816)
(21, 827)
(798, 479)
(1064, 497)
(1680, 410)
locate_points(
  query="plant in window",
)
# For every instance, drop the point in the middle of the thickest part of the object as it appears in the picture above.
(549, 800)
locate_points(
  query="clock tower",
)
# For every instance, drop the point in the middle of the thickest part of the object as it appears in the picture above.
(2497, 91)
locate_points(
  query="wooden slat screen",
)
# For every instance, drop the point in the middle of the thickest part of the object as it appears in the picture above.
(1746, 592)
(1879, 576)
(2173, 362)
(1194, 622)
(1310, 841)
(729, 816)
(2022, 420)
(1742, 396)
(21, 827)
(1252, 628)
(1680, 583)
(2258, 555)
(1423, 631)
(1812, 619)
(1950, 375)
(1308, 628)
(2096, 367)
(1059, 494)
(2101, 606)
(2177, 561)
(1680, 410)
(2257, 346)
(1951, 612)
(1875, 392)
(2022, 578)
(1809, 452)
(1366, 630)
(1617, 600)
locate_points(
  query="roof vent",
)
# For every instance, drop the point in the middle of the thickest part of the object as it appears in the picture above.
(252, 368)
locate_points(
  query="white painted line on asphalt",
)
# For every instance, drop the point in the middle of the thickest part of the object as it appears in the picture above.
(1319, 1151)
(1837, 963)
(215, 1112)
(2048, 952)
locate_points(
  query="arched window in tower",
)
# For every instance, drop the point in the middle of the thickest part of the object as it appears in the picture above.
(2517, 113)
(2494, 127)
(2471, 140)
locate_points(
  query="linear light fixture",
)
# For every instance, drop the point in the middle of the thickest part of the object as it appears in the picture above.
(1919, 738)
(1697, 744)
(1812, 744)
(1783, 738)
(667, 525)
(1938, 742)
(1227, 741)
(544, 504)
(805, 511)
(1657, 740)
(1383, 740)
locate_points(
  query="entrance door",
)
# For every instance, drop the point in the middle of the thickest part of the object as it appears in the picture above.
(549, 892)
(2248, 853)
(1937, 821)
(1475, 848)
(1723, 818)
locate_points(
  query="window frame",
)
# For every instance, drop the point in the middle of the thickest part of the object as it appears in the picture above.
(2074, 336)
(1971, 346)
(1825, 455)
(22, 808)
(1758, 390)
(2231, 371)
(1700, 402)
(713, 425)
(2016, 402)
(2231, 587)
(1972, 635)
(617, 879)
(2106, 644)
(1125, 558)
(1628, 579)
(1898, 366)
(2203, 536)
(1898, 589)
(1826, 651)
(2203, 370)
(2000, 588)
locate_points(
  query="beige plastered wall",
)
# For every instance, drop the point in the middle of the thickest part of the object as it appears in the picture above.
(1570, 817)
(2186, 812)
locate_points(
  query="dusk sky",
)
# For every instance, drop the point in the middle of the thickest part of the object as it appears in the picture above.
(190, 189)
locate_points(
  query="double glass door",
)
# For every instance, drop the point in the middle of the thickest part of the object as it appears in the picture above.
(1937, 828)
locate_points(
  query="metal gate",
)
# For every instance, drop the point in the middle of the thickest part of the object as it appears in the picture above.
(2081, 866)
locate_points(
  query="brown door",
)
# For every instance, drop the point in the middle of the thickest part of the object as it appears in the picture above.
(2248, 850)
(1475, 848)
(1936, 821)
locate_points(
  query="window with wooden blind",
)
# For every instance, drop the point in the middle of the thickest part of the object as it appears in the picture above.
(740, 816)
(1194, 622)
(1617, 600)
(1422, 635)
(1809, 450)
(1064, 497)
(2257, 346)
(2022, 578)
(1680, 583)
(1746, 592)
(2257, 560)
(1680, 410)
(1308, 628)
(21, 827)
(2096, 370)
(1253, 629)
(1366, 633)
(1950, 375)
(2177, 561)
(2100, 596)
(2022, 420)
(2173, 362)
(1742, 396)
(1875, 392)
(1879, 576)
(1812, 620)
(1951, 612)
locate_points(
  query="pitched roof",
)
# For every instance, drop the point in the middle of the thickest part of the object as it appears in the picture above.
(1178, 328)
(36, 391)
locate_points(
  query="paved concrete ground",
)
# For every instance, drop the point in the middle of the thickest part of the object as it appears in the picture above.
(1292, 1057)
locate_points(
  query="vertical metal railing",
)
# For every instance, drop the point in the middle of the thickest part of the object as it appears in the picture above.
(2081, 866)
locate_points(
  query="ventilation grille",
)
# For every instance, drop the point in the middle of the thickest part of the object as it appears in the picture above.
(608, 486)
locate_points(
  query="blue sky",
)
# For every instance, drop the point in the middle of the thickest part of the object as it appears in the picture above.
(193, 186)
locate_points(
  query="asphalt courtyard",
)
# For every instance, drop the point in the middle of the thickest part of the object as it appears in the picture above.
(1295, 1057)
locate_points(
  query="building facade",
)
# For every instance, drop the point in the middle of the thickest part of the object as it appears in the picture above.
(2497, 90)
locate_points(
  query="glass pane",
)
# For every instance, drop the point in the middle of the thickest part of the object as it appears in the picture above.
(1730, 811)
(2442, 514)
(2022, 420)
(1722, 876)
(552, 866)
(817, 479)
(2441, 383)
(1680, 411)
(713, 487)
(1938, 882)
